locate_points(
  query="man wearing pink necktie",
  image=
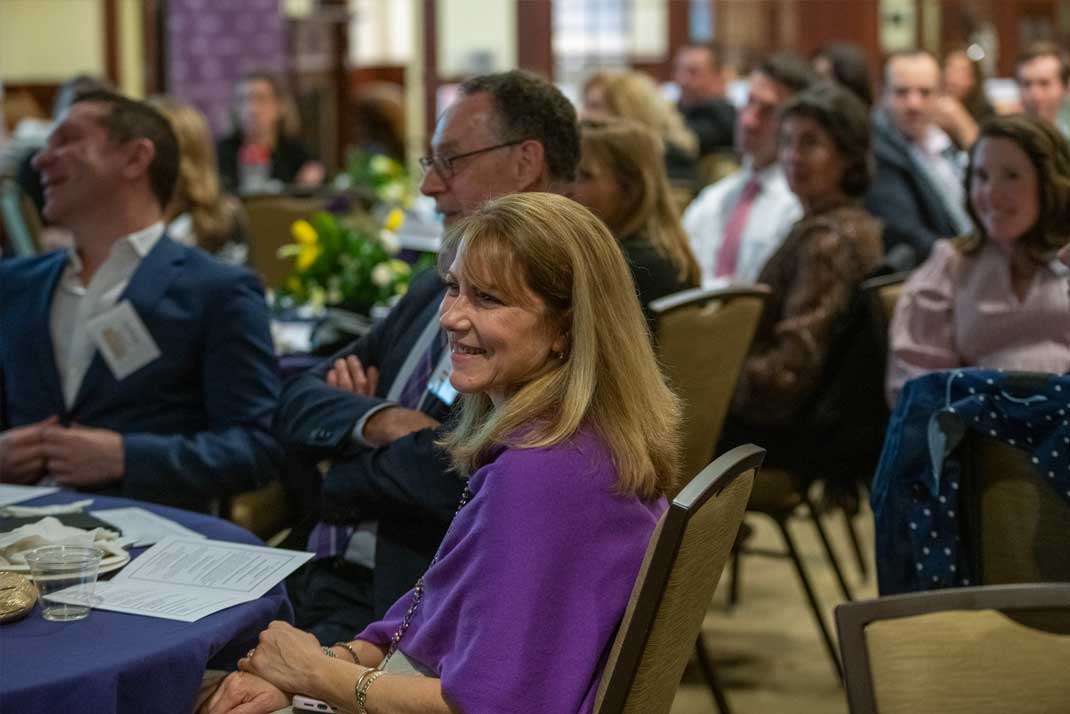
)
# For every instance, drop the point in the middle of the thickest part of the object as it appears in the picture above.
(736, 224)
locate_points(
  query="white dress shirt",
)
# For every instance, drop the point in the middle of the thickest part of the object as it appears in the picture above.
(771, 216)
(936, 155)
(75, 304)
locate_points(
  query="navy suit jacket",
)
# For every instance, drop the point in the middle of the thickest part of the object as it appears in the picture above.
(900, 195)
(196, 422)
(407, 485)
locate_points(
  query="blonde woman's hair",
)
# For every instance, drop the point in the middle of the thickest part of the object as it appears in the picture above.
(197, 190)
(633, 95)
(632, 154)
(608, 378)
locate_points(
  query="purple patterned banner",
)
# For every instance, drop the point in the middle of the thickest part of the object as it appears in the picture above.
(210, 43)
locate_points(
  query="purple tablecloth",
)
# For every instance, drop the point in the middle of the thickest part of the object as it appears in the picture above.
(128, 664)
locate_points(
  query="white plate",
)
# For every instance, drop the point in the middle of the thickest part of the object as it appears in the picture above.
(107, 564)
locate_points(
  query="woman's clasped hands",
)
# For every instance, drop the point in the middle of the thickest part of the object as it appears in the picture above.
(283, 662)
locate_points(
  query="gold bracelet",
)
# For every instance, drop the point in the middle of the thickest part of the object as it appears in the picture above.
(357, 694)
(348, 648)
(360, 690)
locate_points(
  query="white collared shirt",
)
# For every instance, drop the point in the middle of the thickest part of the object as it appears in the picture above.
(771, 216)
(932, 153)
(75, 304)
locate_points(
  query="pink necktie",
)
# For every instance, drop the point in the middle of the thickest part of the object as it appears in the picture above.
(728, 253)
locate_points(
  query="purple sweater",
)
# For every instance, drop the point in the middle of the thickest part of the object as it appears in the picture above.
(531, 582)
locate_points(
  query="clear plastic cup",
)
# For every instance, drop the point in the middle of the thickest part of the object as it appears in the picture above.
(67, 571)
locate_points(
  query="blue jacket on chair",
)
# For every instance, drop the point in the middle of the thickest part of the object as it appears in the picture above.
(196, 422)
(915, 494)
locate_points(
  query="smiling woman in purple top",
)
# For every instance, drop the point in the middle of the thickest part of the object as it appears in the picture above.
(568, 438)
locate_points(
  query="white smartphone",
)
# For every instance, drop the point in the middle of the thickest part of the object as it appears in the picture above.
(308, 704)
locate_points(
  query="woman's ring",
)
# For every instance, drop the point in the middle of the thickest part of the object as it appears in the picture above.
(250, 653)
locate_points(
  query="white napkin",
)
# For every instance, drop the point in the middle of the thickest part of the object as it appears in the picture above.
(59, 509)
(49, 531)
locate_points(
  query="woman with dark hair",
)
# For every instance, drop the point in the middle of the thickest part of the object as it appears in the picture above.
(964, 82)
(263, 145)
(962, 105)
(997, 297)
(622, 180)
(824, 149)
(846, 64)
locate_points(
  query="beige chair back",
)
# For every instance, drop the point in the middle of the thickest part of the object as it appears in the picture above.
(957, 651)
(703, 338)
(716, 165)
(270, 218)
(882, 294)
(683, 563)
(264, 511)
(682, 195)
(1022, 534)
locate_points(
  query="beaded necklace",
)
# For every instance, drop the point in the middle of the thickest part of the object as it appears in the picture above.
(418, 592)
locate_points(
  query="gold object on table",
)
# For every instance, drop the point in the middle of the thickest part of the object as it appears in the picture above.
(17, 596)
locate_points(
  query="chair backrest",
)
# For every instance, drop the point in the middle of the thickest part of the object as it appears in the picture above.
(683, 563)
(881, 294)
(703, 338)
(682, 195)
(270, 218)
(21, 222)
(957, 651)
(714, 166)
(1016, 527)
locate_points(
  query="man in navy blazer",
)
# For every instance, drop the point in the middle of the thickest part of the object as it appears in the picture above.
(371, 410)
(131, 364)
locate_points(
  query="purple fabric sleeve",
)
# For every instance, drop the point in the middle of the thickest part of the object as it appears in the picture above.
(531, 582)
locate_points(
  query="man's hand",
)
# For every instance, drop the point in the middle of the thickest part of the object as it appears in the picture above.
(953, 118)
(349, 375)
(22, 455)
(388, 425)
(83, 456)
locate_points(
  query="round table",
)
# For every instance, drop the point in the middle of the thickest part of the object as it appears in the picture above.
(115, 662)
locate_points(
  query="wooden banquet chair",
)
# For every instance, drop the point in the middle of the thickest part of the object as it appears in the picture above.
(1015, 527)
(703, 338)
(683, 563)
(978, 650)
(264, 511)
(716, 165)
(270, 217)
(781, 493)
(882, 293)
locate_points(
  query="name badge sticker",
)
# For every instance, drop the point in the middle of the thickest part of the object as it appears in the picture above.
(122, 340)
(439, 383)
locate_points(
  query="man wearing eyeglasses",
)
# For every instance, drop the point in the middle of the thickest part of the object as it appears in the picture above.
(374, 409)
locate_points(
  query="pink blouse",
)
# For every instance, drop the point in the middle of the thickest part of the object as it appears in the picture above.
(961, 311)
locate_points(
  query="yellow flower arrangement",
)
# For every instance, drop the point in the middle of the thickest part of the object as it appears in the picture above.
(347, 261)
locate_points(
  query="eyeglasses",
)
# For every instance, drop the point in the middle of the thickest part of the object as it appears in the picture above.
(443, 165)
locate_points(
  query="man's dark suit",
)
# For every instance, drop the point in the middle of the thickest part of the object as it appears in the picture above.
(713, 122)
(406, 486)
(196, 422)
(912, 208)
